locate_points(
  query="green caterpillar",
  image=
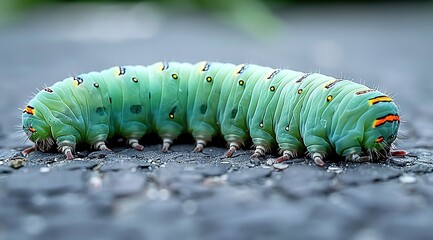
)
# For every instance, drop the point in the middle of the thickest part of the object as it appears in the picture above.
(293, 111)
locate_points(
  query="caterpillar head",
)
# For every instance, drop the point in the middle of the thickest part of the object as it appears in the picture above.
(37, 129)
(382, 128)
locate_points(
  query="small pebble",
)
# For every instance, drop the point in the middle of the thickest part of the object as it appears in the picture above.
(44, 169)
(407, 179)
(152, 193)
(224, 177)
(17, 162)
(334, 169)
(270, 161)
(95, 182)
(280, 166)
(164, 194)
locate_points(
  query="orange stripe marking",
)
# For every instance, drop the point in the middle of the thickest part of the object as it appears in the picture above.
(29, 110)
(387, 118)
(379, 139)
(31, 129)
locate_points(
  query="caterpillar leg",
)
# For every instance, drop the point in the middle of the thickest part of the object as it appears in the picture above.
(354, 157)
(100, 145)
(66, 145)
(68, 151)
(287, 155)
(28, 150)
(318, 158)
(260, 151)
(199, 145)
(133, 142)
(166, 143)
(233, 147)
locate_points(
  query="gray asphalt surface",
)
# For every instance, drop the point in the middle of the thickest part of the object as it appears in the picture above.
(183, 195)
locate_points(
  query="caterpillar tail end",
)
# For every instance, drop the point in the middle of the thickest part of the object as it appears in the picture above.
(233, 147)
(166, 143)
(133, 142)
(199, 146)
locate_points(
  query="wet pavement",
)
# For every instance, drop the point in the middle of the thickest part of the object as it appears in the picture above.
(128, 194)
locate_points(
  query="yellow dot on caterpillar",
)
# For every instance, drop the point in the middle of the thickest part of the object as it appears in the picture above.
(209, 79)
(299, 91)
(96, 85)
(134, 79)
(329, 98)
(287, 128)
(241, 82)
(174, 76)
(171, 115)
(272, 88)
(77, 81)
(261, 125)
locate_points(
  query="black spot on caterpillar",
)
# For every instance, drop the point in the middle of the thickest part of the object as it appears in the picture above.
(276, 108)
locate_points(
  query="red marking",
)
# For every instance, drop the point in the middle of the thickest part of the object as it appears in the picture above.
(379, 139)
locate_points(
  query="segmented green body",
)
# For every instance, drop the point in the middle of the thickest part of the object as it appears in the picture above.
(276, 108)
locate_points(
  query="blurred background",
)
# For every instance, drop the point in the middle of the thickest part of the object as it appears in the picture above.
(385, 44)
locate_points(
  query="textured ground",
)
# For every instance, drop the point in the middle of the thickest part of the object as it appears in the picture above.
(183, 195)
